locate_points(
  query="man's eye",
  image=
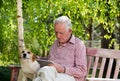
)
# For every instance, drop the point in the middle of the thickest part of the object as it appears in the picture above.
(55, 32)
(61, 33)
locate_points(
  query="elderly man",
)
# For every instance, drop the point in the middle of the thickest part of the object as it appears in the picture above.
(68, 54)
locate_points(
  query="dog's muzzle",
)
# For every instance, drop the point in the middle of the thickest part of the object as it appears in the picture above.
(24, 55)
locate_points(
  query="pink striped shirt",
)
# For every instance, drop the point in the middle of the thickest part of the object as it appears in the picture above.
(72, 55)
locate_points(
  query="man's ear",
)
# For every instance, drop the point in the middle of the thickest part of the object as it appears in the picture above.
(70, 30)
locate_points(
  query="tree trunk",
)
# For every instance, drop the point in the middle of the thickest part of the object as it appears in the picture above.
(90, 30)
(21, 45)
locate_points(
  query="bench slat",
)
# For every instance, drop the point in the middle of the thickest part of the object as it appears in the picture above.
(95, 67)
(117, 69)
(109, 68)
(102, 67)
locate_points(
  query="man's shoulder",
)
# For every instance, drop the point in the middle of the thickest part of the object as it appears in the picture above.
(78, 41)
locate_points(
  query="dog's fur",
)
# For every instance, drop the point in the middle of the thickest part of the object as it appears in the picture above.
(29, 65)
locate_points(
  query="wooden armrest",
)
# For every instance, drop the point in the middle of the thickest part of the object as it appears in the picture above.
(14, 72)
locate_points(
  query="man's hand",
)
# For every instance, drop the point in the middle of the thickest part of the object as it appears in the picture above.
(59, 68)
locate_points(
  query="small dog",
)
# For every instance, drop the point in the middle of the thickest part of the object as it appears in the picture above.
(29, 65)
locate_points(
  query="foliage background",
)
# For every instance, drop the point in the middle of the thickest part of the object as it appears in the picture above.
(87, 17)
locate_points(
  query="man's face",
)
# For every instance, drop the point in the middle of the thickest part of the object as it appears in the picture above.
(61, 33)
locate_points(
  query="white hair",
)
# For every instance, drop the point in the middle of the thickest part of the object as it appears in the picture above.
(65, 20)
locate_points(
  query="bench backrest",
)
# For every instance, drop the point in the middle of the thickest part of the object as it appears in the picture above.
(97, 60)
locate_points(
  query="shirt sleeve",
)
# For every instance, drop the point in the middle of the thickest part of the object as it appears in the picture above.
(80, 68)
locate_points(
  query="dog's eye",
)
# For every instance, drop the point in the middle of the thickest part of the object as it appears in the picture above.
(28, 52)
(23, 51)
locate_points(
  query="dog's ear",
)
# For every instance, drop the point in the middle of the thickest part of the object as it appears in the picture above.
(34, 57)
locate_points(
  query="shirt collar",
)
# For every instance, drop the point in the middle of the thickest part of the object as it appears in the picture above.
(72, 40)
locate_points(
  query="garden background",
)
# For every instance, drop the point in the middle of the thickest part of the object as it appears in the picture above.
(96, 22)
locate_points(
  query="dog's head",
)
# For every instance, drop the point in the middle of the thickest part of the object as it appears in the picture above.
(27, 54)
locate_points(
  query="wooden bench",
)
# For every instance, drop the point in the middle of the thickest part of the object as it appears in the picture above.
(96, 62)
